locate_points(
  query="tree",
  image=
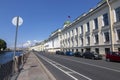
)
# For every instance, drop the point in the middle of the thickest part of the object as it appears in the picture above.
(3, 45)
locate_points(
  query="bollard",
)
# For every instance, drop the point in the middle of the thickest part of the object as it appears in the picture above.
(22, 59)
(16, 64)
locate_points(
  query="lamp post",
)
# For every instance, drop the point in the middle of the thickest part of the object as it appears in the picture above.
(17, 21)
(111, 25)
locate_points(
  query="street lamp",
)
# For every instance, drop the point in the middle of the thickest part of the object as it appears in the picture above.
(17, 21)
(111, 25)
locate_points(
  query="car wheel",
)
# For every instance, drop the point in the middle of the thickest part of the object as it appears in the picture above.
(93, 58)
(108, 60)
(83, 56)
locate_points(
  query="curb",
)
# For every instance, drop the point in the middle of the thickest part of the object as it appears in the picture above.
(50, 76)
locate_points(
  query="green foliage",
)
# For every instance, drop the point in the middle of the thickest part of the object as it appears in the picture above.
(3, 44)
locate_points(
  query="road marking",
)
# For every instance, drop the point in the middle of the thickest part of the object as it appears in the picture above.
(92, 65)
(53, 63)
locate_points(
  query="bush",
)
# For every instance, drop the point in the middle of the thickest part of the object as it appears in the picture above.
(3, 45)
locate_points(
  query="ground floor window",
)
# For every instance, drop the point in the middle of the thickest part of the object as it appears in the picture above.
(118, 49)
(97, 50)
(76, 50)
(107, 50)
(87, 49)
(82, 50)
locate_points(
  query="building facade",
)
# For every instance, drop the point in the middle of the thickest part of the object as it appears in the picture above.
(92, 31)
(97, 30)
(52, 44)
(38, 47)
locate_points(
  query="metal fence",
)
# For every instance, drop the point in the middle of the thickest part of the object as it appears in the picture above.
(8, 69)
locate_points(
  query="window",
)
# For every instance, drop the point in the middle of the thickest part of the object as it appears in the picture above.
(88, 27)
(81, 29)
(106, 34)
(81, 41)
(117, 11)
(107, 50)
(118, 49)
(82, 50)
(96, 38)
(96, 23)
(72, 33)
(97, 50)
(105, 19)
(76, 31)
(118, 34)
(88, 40)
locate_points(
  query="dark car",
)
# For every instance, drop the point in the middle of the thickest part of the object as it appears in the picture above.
(113, 56)
(69, 53)
(60, 52)
(92, 55)
(78, 54)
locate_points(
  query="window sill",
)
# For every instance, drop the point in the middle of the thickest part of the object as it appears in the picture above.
(106, 42)
(118, 40)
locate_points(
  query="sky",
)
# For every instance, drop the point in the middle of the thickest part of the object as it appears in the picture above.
(40, 18)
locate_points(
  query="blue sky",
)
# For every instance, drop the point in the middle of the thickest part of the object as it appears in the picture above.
(40, 17)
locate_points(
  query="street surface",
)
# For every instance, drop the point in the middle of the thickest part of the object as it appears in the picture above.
(75, 68)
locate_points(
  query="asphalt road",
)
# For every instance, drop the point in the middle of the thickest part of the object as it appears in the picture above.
(74, 68)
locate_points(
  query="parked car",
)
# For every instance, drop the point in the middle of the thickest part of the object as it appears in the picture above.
(78, 54)
(92, 55)
(69, 53)
(113, 56)
(60, 52)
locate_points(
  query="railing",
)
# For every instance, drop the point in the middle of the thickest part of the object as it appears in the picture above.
(12, 67)
(6, 70)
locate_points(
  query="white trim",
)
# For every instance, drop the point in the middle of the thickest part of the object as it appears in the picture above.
(80, 30)
(94, 40)
(116, 35)
(103, 36)
(114, 15)
(93, 24)
(102, 20)
(86, 29)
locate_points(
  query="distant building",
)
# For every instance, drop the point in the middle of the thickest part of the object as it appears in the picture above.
(38, 47)
(53, 42)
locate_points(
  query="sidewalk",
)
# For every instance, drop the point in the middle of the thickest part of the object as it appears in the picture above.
(33, 69)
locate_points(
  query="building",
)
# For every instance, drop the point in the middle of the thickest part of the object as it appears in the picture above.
(52, 44)
(92, 30)
(96, 30)
(38, 47)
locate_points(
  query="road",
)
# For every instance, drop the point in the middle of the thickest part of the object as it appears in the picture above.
(75, 68)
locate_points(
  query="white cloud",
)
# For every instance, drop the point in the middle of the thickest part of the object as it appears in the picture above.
(25, 44)
(30, 43)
